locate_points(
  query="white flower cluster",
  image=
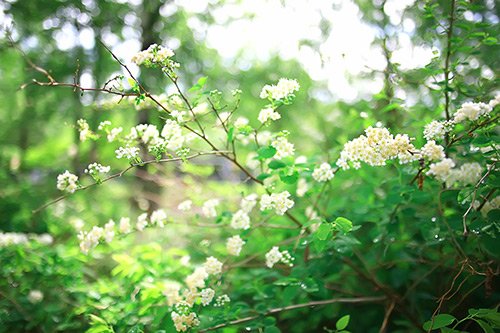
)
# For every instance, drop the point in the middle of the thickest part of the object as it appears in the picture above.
(35, 296)
(207, 295)
(212, 266)
(84, 129)
(155, 54)
(183, 322)
(432, 152)
(130, 153)
(185, 205)
(436, 130)
(280, 202)
(323, 173)
(90, 239)
(268, 114)
(302, 187)
(234, 245)
(280, 91)
(467, 174)
(146, 133)
(283, 147)
(96, 168)
(67, 182)
(17, 238)
(222, 300)
(375, 148)
(472, 111)
(240, 220)
(172, 132)
(208, 208)
(275, 255)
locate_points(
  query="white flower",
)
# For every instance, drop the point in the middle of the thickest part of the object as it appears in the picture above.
(67, 182)
(264, 137)
(248, 203)
(434, 130)
(142, 221)
(35, 296)
(89, 240)
(147, 133)
(471, 111)
(159, 217)
(171, 292)
(268, 114)
(273, 256)
(279, 201)
(183, 322)
(103, 125)
(241, 122)
(172, 132)
(323, 173)
(109, 231)
(432, 151)
(240, 220)
(494, 102)
(84, 129)
(154, 54)
(234, 245)
(282, 90)
(129, 153)
(197, 278)
(441, 170)
(124, 226)
(212, 266)
(114, 133)
(283, 147)
(96, 168)
(375, 148)
(468, 174)
(222, 300)
(185, 205)
(208, 208)
(207, 295)
(302, 187)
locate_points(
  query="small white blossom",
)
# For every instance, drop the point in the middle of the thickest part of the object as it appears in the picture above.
(159, 217)
(207, 295)
(212, 266)
(197, 278)
(130, 153)
(96, 168)
(109, 231)
(432, 151)
(323, 173)
(208, 208)
(471, 111)
(275, 255)
(283, 147)
(441, 170)
(35, 296)
(222, 300)
(434, 130)
(67, 182)
(278, 201)
(183, 322)
(240, 220)
(282, 90)
(268, 114)
(142, 221)
(234, 245)
(124, 226)
(248, 202)
(114, 133)
(185, 205)
(302, 187)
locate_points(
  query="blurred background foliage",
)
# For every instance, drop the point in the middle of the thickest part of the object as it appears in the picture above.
(404, 246)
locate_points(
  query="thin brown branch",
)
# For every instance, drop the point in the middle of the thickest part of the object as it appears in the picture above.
(298, 306)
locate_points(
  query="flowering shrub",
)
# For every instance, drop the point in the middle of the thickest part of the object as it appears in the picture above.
(375, 220)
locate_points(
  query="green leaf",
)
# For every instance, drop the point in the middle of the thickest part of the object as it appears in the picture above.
(343, 322)
(275, 164)
(344, 225)
(272, 329)
(230, 134)
(290, 179)
(266, 152)
(485, 326)
(263, 176)
(199, 85)
(439, 321)
(324, 230)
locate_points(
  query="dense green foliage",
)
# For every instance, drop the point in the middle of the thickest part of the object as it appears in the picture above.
(376, 249)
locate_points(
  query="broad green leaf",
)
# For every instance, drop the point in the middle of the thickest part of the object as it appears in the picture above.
(342, 322)
(441, 320)
(344, 225)
(266, 152)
